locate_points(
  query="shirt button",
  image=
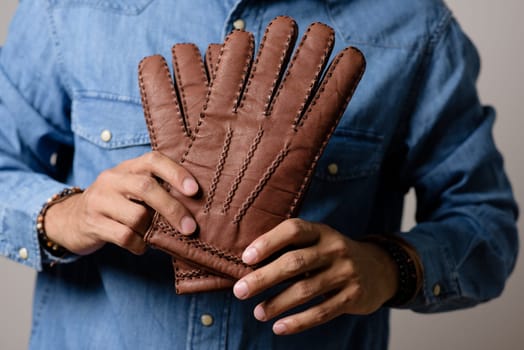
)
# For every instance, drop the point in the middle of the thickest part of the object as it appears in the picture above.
(239, 24)
(106, 135)
(206, 320)
(53, 159)
(333, 169)
(23, 253)
(437, 289)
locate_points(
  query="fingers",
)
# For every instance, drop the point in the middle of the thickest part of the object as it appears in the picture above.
(314, 316)
(273, 55)
(165, 122)
(191, 81)
(336, 90)
(298, 293)
(123, 236)
(159, 165)
(146, 189)
(292, 232)
(130, 214)
(286, 267)
(140, 184)
(233, 65)
(303, 74)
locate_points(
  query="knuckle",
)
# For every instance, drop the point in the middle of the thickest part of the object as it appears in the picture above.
(347, 268)
(145, 184)
(357, 292)
(306, 290)
(152, 158)
(321, 314)
(295, 227)
(345, 299)
(339, 248)
(294, 262)
(106, 176)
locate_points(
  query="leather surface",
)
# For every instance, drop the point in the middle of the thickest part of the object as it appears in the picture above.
(254, 146)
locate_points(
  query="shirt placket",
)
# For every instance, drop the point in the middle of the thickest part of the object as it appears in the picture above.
(209, 317)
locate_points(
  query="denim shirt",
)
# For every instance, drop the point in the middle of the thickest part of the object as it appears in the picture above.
(70, 108)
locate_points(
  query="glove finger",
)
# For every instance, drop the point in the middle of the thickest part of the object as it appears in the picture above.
(273, 55)
(211, 58)
(303, 74)
(190, 80)
(332, 98)
(190, 279)
(161, 108)
(233, 65)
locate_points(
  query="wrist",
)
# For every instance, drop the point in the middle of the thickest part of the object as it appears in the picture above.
(53, 219)
(388, 274)
(407, 264)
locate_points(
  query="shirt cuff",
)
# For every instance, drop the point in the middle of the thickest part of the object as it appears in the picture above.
(18, 235)
(440, 288)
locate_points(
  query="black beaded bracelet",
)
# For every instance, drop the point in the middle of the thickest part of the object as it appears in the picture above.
(46, 243)
(409, 282)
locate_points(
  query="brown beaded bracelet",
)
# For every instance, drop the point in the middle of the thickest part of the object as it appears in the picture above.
(46, 243)
(408, 264)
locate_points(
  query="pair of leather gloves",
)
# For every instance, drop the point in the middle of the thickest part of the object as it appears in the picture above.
(250, 131)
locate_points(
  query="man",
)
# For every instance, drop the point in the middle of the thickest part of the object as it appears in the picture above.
(68, 88)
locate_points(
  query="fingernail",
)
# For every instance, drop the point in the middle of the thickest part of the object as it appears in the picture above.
(188, 225)
(250, 256)
(259, 313)
(190, 186)
(279, 328)
(240, 289)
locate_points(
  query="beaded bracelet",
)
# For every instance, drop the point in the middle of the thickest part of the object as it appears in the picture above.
(409, 267)
(53, 248)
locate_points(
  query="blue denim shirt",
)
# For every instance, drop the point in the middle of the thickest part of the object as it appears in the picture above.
(68, 73)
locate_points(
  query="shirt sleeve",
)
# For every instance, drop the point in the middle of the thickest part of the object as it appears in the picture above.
(466, 215)
(35, 137)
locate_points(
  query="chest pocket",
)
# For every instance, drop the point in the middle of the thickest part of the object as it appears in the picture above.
(345, 179)
(107, 131)
(349, 155)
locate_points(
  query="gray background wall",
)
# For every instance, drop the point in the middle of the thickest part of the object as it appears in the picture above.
(496, 28)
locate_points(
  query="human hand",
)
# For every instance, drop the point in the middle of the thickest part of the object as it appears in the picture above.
(352, 277)
(118, 206)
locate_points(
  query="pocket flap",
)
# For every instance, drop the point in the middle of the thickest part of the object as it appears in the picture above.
(109, 123)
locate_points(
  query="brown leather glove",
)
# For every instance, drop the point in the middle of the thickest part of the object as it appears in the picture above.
(256, 141)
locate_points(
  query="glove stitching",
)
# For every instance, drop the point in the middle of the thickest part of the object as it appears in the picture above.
(145, 104)
(314, 82)
(181, 118)
(245, 73)
(261, 184)
(218, 171)
(168, 230)
(179, 84)
(242, 170)
(210, 67)
(191, 274)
